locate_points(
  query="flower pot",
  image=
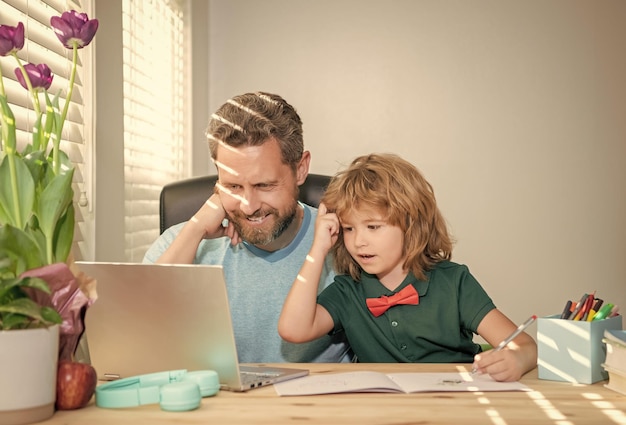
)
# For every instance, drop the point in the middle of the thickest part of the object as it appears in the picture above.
(28, 370)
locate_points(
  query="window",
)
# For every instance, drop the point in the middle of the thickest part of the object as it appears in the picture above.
(154, 113)
(42, 46)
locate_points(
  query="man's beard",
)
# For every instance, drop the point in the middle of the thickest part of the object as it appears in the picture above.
(263, 236)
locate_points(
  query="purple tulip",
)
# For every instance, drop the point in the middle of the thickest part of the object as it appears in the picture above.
(11, 39)
(74, 29)
(40, 76)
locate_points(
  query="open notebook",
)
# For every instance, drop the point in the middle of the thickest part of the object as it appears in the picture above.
(157, 317)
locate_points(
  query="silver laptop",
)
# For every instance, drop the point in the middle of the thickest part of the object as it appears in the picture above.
(157, 317)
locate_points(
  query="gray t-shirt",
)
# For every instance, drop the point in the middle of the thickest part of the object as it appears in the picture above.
(258, 282)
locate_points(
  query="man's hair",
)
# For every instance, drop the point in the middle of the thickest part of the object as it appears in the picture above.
(394, 187)
(251, 119)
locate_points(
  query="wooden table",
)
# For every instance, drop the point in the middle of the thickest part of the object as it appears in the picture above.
(550, 402)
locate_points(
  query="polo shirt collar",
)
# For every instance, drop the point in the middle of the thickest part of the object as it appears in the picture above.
(372, 288)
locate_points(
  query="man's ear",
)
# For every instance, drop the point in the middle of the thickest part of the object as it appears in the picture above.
(217, 180)
(302, 170)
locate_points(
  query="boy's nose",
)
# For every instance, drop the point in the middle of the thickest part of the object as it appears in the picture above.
(359, 239)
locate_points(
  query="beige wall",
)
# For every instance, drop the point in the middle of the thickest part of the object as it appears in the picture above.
(514, 110)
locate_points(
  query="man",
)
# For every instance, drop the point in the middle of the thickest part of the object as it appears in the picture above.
(254, 225)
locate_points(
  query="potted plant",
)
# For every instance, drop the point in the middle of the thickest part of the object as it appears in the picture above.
(40, 296)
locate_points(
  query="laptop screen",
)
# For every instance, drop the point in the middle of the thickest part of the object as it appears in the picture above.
(154, 317)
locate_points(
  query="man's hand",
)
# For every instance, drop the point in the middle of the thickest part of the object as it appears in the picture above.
(210, 218)
(205, 224)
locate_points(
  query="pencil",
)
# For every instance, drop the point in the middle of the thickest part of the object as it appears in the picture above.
(518, 331)
(511, 337)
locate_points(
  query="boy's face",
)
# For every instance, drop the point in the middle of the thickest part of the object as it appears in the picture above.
(375, 245)
(259, 193)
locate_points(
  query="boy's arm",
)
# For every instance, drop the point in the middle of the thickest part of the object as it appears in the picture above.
(513, 361)
(302, 319)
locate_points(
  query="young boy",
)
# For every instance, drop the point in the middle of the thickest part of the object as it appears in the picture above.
(389, 240)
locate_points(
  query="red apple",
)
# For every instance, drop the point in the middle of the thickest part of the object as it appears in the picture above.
(76, 383)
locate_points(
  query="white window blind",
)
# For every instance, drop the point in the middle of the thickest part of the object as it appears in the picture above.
(154, 126)
(43, 46)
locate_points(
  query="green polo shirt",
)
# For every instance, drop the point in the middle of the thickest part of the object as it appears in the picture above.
(438, 330)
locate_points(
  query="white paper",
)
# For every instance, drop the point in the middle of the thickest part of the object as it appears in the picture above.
(393, 383)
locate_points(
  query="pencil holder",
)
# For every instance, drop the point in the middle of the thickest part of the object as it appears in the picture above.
(572, 351)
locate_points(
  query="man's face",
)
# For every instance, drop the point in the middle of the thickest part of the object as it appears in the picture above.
(259, 194)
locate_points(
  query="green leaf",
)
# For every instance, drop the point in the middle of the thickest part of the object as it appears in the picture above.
(23, 306)
(23, 184)
(54, 202)
(64, 235)
(67, 165)
(37, 163)
(9, 289)
(8, 285)
(13, 321)
(50, 315)
(18, 311)
(37, 134)
(21, 248)
(22, 312)
(51, 112)
(7, 124)
(4, 213)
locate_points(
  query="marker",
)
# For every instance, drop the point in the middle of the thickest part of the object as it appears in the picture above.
(586, 307)
(594, 310)
(511, 337)
(603, 313)
(578, 307)
(598, 304)
(566, 310)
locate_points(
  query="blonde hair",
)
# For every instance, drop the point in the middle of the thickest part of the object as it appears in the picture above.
(396, 188)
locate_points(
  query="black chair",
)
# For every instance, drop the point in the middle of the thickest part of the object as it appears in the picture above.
(180, 200)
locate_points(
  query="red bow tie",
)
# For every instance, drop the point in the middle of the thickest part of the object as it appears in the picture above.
(379, 305)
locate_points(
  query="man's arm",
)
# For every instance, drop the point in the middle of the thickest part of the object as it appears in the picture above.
(205, 224)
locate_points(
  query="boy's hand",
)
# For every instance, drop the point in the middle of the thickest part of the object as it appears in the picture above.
(326, 229)
(501, 365)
